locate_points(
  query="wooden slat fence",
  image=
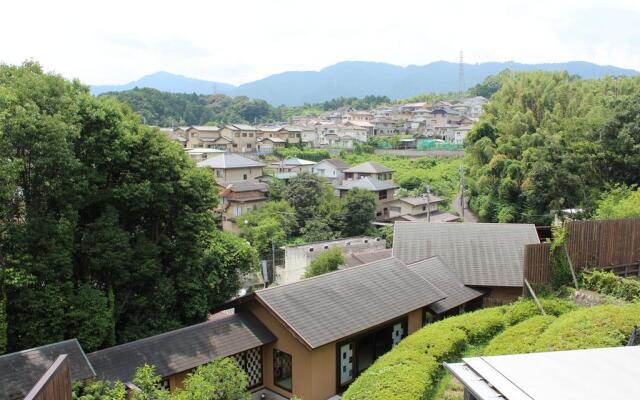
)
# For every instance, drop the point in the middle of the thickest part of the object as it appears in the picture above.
(55, 384)
(608, 244)
(537, 263)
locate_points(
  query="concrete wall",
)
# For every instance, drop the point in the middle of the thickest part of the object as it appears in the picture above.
(297, 258)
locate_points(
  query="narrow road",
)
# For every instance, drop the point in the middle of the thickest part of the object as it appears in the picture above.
(468, 215)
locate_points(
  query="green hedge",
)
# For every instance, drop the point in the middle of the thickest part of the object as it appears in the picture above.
(522, 310)
(601, 326)
(610, 284)
(413, 368)
(306, 154)
(520, 338)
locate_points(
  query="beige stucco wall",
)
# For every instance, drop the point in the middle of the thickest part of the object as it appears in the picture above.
(230, 213)
(236, 174)
(303, 362)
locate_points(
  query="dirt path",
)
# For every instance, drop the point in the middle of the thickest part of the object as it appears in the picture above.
(468, 215)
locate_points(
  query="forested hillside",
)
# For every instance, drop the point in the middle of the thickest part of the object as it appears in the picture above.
(176, 109)
(105, 226)
(551, 141)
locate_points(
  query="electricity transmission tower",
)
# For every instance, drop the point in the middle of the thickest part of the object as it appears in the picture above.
(461, 75)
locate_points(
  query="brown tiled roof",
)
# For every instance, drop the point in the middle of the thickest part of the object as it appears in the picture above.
(20, 371)
(441, 275)
(182, 349)
(481, 254)
(329, 307)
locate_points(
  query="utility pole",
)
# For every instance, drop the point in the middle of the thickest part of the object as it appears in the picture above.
(428, 195)
(462, 190)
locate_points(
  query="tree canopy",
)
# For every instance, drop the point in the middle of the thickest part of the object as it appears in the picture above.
(326, 262)
(551, 141)
(105, 225)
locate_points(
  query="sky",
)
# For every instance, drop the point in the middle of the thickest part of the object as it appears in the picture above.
(237, 41)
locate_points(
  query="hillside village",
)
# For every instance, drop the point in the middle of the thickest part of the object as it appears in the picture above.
(343, 128)
(328, 257)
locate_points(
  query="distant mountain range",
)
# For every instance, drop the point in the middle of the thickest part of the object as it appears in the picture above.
(358, 79)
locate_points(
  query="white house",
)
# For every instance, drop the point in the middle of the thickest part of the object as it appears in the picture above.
(332, 169)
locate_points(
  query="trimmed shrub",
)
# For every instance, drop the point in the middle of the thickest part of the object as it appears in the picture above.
(601, 326)
(525, 309)
(413, 368)
(520, 338)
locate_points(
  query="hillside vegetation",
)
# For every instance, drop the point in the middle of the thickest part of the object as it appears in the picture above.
(551, 141)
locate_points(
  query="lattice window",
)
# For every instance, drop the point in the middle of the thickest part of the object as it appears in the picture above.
(163, 384)
(397, 333)
(251, 363)
(346, 363)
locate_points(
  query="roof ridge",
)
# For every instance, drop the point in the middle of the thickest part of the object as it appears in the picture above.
(42, 347)
(168, 333)
(327, 274)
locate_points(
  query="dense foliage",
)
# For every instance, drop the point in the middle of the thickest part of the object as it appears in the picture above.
(550, 141)
(221, 379)
(102, 221)
(441, 174)
(610, 284)
(310, 213)
(328, 261)
(618, 203)
(176, 109)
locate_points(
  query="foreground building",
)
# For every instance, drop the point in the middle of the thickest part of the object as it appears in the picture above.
(593, 374)
(489, 257)
(20, 371)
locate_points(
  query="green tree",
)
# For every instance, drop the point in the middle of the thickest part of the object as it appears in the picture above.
(148, 382)
(304, 193)
(221, 379)
(620, 202)
(274, 222)
(102, 220)
(359, 210)
(326, 262)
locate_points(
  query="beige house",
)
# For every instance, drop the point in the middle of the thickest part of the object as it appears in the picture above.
(293, 165)
(230, 167)
(270, 144)
(243, 137)
(238, 199)
(419, 209)
(383, 191)
(205, 136)
(285, 133)
(369, 169)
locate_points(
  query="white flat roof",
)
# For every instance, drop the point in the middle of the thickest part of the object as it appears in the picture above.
(594, 374)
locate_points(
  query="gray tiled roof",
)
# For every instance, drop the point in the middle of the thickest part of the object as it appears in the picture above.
(20, 371)
(441, 275)
(417, 201)
(244, 186)
(296, 162)
(367, 183)
(332, 306)
(229, 161)
(369, 167)
(481, 254)
(338, 164)
(355, 259)
(182, 349)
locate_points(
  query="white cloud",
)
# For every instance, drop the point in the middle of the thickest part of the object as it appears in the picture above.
(242, 40)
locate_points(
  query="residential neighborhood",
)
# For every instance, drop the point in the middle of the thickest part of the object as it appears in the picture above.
(320, 201)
